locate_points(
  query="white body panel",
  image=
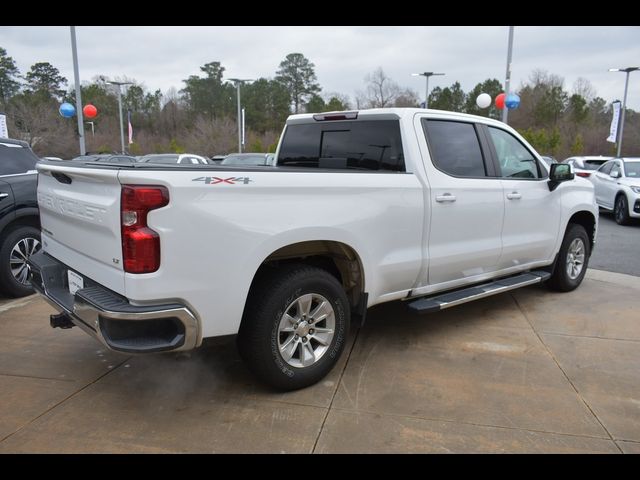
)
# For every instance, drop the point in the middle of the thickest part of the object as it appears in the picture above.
(214, 237)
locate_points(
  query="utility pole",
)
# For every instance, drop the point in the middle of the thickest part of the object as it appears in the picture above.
(119, 84)
(627, 70)
(76, 79)
(507, 82)
(238, 82)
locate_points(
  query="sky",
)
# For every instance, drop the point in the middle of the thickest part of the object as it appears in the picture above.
(161, 57)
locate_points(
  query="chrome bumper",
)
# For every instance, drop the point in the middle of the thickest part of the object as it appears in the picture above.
(110, 318)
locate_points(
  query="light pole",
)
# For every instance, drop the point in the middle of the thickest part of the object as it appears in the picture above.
(119, 84)
(76, 79)
(93, 132)
(627, 70)
(238, 82)
(505, 110)
(426, 75)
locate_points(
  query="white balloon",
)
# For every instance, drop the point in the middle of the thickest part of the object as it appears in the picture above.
(483, 100)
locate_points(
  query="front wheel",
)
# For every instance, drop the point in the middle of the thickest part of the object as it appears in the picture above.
(572, 261)
(15, 250)
(294, 327)
(621, 210)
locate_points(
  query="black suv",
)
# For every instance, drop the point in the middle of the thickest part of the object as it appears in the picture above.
(19, 219)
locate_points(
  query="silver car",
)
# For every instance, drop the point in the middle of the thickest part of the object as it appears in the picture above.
(617, 188)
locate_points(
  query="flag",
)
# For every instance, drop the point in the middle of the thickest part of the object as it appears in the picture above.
(130, 129)
(4, 132)
(613, 130)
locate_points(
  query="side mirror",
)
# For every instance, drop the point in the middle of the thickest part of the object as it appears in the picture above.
(615, 174)
(558, 173)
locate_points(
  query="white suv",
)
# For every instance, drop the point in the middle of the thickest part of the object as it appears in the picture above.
(617, 188)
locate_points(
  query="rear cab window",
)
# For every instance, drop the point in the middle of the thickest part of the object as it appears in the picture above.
(366, 145)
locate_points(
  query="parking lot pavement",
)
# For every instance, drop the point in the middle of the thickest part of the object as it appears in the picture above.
(616, 246)
(531, 371)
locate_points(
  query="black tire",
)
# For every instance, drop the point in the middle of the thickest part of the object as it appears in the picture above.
(621, 210)
(561, 280)
(271, 295)
(8, 282)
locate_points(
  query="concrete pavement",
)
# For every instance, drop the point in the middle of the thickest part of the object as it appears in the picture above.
(527, 371)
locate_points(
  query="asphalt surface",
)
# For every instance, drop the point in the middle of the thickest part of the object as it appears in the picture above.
(530, 371)
(617, 247)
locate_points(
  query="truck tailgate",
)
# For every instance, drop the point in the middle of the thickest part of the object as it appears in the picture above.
(80, 218)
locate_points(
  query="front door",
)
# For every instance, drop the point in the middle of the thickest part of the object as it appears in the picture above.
(532, 212)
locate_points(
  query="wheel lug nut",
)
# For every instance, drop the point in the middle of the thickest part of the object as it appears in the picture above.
(311, 320)
(311, 331)
(296, 337)
(304, 339)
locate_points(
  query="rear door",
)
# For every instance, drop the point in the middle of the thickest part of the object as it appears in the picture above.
(600, 178)
(532, 212)
(80, 218)
(466, 202)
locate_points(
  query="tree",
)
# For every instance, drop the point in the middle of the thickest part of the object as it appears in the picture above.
(266, 103)
(208, 95)
(315, 104)
(45, 79)
(381, 91)
(298, 76)
(407, 98)
(491, 87)
(337, 103)
(9, 86)
(451, 98)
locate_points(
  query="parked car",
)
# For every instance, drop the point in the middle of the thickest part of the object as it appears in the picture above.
(435, 208)
(19, 222)
(585, 166)
(174, 158)
(217, 159)
(255, 159)
(548, 160)
(105, 158)
(617, 187)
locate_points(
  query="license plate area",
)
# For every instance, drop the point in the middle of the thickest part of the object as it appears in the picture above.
(75, 282)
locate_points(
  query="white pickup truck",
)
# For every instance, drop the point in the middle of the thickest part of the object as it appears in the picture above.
(433, 208)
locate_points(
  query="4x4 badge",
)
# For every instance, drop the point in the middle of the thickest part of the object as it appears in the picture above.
(217, 180)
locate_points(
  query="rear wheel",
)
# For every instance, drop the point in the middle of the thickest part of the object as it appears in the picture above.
(572, 261)
(294, 326)
(17, 247)
(621, 211)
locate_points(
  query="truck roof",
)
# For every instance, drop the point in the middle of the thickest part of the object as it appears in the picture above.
(390, 114)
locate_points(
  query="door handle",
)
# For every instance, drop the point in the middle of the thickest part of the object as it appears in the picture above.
(514, 196)
(3, 195)
(447, 197)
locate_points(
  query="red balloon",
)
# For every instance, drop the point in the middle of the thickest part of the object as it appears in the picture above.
(90, 111)
(500, 101)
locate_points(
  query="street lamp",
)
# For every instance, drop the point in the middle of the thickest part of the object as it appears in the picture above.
(426, 75)
(93, 132)
(627, 70)
(238, 82)
(119, 84)
(507, 82)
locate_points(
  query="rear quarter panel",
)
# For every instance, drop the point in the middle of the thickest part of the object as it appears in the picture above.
(215, 236)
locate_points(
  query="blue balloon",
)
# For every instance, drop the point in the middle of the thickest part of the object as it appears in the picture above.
(67, 110)
(512, 101)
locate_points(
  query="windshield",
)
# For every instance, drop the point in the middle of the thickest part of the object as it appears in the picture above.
(632, 169)
(593, 164)
(245, 160)
(164, 159)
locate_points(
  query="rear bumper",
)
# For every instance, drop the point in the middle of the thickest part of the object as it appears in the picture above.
(110, 318)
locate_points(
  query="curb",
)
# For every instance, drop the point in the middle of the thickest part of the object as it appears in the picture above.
(620, 279)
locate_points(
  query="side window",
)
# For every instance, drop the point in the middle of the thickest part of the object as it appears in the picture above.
(355, 145)
(606, 168)
(514, 159)
(615, 169)
(455, 148)
(15, 159)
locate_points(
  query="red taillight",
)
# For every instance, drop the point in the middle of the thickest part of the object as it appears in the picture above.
(140, 244)
(583, 174)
